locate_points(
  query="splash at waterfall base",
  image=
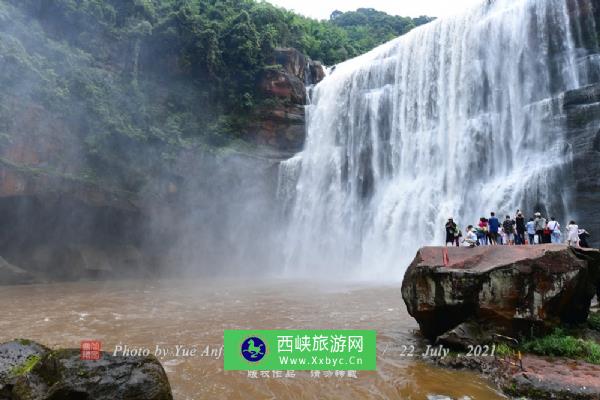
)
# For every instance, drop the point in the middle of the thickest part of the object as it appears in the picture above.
(465, 297)
(493, 109)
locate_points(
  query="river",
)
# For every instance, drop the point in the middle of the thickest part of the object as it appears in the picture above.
(194, 313)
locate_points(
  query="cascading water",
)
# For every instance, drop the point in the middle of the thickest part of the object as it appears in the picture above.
(457, 118)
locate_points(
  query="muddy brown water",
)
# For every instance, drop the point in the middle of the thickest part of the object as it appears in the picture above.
(193, 314)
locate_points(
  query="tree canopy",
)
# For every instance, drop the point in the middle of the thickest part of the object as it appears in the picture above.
(164, 72)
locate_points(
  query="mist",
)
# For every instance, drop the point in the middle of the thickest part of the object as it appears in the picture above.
(91, 188)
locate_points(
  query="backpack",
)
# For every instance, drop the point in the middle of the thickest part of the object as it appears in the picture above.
(508, 227)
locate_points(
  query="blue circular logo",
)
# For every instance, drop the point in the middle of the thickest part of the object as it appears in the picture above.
(253, 349)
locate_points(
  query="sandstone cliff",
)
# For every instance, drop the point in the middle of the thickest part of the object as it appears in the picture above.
(280, 122)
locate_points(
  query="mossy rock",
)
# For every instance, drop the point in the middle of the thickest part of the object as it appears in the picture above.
(29, 371)
(19, 357)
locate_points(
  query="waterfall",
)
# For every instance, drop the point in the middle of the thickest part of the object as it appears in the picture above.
(458, 118)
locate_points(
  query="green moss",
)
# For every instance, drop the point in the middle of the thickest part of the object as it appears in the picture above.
(26, 366)
(594, 321)
(24, 342)
(561, 344)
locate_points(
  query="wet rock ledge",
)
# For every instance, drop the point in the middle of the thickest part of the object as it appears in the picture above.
(30, 371)
(503, 295)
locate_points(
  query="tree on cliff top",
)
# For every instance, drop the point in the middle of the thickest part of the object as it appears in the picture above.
(128, 75)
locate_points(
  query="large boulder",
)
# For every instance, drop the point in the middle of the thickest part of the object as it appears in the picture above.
(508, 290)
(29, 371)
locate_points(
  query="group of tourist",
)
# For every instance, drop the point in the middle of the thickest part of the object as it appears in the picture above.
(515, 231)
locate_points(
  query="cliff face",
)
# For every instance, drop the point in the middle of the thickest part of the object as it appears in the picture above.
(96, 178)
(279, 122)
(59, 221)
(580, 117)
(582, 110)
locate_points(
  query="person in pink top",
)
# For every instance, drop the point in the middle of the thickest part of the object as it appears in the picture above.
(483, 231)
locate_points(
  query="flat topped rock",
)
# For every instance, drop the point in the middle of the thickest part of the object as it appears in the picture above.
(485, 258)
(509, 290)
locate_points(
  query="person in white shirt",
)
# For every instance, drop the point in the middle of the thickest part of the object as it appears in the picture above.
(554, 227)
(573, 234)
(471, 237)
(531, 231)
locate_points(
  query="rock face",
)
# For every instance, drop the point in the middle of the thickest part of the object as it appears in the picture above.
(582, 110)
(280, 123)
(54, 219)
(31, 371)
(509, 290)
(44, 157)
(13, 275)
(544, 378)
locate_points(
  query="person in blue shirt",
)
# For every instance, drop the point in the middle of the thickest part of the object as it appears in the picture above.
(494, 224)
(531, 230)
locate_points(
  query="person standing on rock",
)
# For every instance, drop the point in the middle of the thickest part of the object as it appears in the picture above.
(483, 231)
(508, 226)
(554, 227)
(540, 225)
(451, 230)
(531, 230)
(493, 224)
(520, 225)
(457, 235)
(573, 234)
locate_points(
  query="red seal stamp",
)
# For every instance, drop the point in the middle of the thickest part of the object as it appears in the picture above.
(90, 349)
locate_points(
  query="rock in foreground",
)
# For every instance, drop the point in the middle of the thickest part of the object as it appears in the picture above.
(509, 290)
(544, 378)
(29, 371)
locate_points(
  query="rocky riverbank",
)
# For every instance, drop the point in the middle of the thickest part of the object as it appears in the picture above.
(530, 304)
(30, 371)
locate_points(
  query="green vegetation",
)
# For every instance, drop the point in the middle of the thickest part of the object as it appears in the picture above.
(594, 321)
(504, 350)
(367, 28)
(26, 366)
(137, 80)
(561, 344)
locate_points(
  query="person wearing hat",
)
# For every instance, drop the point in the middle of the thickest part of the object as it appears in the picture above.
(540, 225)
